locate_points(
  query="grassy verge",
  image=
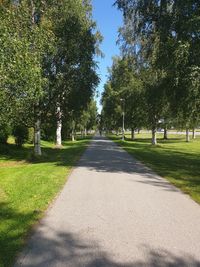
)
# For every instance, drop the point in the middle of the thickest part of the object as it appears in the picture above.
(27, 188)
(173, 159)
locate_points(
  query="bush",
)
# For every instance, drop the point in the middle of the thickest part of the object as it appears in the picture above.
(4, 133)
(20, 133)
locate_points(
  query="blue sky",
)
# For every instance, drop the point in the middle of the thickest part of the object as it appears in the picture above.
(108, 20)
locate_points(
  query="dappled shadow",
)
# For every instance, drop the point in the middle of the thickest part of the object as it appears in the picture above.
(165, 157)
(12, 152)
(105, 156)
(59, 156)
(148, 140)
(13, 224)
(183, 166)
(52, 248)
(156, 181)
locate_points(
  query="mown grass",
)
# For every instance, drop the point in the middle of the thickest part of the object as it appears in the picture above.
(27, 187)
(173, 159)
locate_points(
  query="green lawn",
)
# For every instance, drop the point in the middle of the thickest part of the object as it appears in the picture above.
(27, 188)
(174, 159)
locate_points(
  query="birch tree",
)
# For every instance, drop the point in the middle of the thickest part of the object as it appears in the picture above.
(28, 41)
(72, 69)
(165, 37)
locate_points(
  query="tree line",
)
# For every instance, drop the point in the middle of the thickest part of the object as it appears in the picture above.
(157, 77)
(47, 68)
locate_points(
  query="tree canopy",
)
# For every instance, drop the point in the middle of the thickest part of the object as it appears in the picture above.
(162, 39)
(47, 64)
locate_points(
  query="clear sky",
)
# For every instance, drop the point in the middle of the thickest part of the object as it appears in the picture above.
(108, 20)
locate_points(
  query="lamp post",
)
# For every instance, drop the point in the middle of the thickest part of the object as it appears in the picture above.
(123, 116)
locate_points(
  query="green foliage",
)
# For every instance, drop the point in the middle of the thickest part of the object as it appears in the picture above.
(24, 45)
(74, 69)
(162, 39)
(21, 134)
(124, 92)
(30, 139)
(47, 53)
(4, 133)
(88, 118)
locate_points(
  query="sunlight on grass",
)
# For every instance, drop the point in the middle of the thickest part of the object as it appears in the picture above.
(27, 188)
(174, 159)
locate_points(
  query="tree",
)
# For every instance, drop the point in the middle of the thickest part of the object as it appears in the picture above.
(185, 61)
(47, 53)
(164, 36)
(88, 119)
(124, 93)
(28, 40)
(72, 69)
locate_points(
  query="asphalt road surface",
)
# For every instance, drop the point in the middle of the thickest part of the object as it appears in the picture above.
(114, 212)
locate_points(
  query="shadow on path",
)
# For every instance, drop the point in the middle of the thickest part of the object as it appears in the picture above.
(68, 249)
(105, 156)
(52, 247)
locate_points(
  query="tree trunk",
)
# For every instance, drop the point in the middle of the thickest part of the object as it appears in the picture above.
(73, 135)
(73, 139)
(85, 132)
(165, 137)
(154, 138)
(193, 133)
(37, 136)
(132, 133)
(187, 135)
(37, 130)
(59, 128)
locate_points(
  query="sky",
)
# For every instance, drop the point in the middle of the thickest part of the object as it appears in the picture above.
(108, 19)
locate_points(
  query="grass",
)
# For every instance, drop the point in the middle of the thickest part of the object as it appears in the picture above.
(28, 187)
(173, 159)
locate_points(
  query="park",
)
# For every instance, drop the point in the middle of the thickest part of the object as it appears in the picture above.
(99, 133)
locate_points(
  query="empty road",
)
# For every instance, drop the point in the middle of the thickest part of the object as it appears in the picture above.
(114, 212)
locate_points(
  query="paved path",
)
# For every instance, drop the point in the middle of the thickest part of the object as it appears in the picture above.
(114, 212)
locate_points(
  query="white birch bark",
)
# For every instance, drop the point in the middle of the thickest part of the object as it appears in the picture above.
(187, 135)
(73, 131)
(59, 127)
(154, 138)
(73, 139)
(37, 137)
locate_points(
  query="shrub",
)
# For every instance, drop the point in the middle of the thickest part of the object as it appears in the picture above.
(20, 133)
(4, 133)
